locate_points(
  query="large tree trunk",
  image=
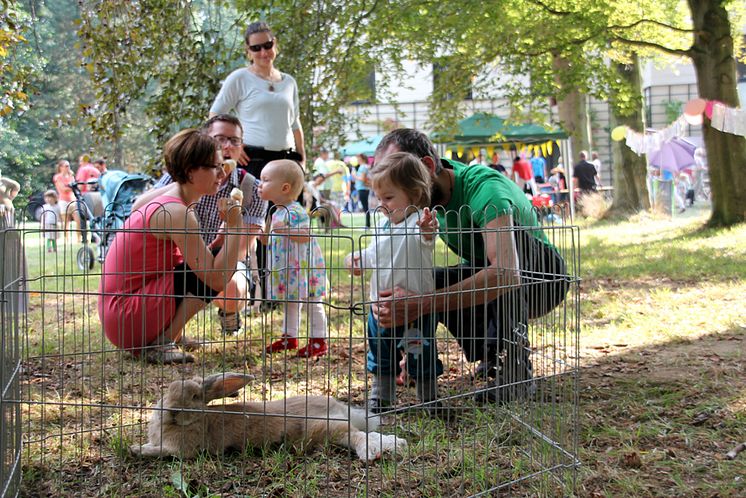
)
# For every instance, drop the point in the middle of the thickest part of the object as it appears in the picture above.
(712, 54)
(573, 113)
(630, 169)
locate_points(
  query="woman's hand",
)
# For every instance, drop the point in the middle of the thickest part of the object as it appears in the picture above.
(243, 159)
(230, 211)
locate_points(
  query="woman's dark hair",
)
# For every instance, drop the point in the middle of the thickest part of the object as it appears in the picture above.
(257, 27)
(405, 171)
(188, 150)
(362, 159)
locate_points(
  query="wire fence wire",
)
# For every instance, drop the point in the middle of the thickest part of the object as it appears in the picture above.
(101, 420)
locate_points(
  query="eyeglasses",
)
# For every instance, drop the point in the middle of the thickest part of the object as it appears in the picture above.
(266, 46)
(234, 141)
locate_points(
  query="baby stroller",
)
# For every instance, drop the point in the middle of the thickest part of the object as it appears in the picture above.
(103, 212)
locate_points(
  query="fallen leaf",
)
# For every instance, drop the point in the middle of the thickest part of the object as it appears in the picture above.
(632, 460)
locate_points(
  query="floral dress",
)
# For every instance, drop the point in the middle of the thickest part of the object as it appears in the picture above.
(297, 270)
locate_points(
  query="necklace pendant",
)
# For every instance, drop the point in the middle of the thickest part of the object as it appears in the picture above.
(271, 87)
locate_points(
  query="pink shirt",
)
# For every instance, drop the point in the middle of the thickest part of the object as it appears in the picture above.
(136, 292)
(86, 172)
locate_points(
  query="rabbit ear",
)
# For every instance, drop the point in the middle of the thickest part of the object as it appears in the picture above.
(224, 384)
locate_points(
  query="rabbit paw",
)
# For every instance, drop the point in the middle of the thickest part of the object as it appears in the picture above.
(376, 444)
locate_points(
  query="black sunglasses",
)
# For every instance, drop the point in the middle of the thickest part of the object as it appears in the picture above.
(266, 46)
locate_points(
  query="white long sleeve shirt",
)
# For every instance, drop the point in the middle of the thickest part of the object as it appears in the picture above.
(399, 256)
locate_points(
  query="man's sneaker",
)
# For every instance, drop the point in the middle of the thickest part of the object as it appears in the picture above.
(286, 343)
(487, 369)
(229, 322)
(315, 347)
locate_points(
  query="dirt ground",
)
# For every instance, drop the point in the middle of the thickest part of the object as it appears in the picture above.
(659, 420)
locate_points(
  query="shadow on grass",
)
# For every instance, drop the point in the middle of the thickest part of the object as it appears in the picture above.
(659, 420)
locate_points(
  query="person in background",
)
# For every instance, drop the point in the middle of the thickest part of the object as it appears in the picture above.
(86, 171)
(584, 175)
(596, 162)
(479, 160)
(538, 168)
(522, 175)
(100, 165)
(266, 102)
(362, 185)
(50, 218)
(62, 178)
(320, 168)
(8, 191)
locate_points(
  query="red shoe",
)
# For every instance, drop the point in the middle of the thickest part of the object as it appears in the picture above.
(285, 344)
(315, 348)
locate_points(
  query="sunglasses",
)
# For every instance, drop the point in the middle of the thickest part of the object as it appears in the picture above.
(266, 46)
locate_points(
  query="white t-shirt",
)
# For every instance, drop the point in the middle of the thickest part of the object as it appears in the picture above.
(268, 117)
(400, 256)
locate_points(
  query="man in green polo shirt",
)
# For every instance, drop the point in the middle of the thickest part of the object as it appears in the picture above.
(485, 302)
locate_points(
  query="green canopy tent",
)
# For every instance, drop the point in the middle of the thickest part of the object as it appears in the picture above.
(487, 129)
(366, 146)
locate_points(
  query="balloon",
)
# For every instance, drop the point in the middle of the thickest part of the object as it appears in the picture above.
(710, 105)
(449, 154)
(618, 133)
(460, 150)
(693, 119)
(695, 107)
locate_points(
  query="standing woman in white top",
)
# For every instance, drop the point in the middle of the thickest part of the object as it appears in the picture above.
(265, 101)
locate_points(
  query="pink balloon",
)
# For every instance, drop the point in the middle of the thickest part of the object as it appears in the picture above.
(695, 107)
(708, 108)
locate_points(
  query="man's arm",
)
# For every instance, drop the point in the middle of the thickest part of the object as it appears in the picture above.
(501, 276)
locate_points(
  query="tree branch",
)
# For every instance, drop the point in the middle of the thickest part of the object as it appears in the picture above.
(662, 48)
(656, 23)
(554, 12)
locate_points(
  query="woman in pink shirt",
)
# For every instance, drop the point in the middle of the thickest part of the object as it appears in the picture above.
(158, 273)
(65, 196)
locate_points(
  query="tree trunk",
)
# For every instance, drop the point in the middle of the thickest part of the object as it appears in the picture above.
(715, 65)
(573, 113)
(118, 149)
(630, 169)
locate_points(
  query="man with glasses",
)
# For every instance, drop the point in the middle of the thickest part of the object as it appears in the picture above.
(227, 131)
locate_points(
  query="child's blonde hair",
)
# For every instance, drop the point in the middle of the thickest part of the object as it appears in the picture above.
(52, 194)
(292, 173)
(405, 171)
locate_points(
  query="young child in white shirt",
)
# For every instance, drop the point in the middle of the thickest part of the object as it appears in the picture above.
(50, 217)
(401, 254)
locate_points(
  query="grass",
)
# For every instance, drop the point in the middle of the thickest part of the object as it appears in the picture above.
(662, 394)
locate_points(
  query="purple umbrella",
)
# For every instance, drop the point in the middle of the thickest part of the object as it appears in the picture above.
(674, 155)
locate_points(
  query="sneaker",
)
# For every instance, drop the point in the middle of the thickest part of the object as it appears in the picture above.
(286, 343)
(229, 322)
(487, 369)
(315, 348)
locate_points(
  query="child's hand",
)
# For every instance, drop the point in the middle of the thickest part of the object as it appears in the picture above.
(428, 224)
(352, 263)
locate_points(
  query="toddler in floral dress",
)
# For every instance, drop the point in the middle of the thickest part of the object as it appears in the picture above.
(297, 269)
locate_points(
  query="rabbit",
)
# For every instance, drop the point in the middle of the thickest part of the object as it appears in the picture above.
(182, 424)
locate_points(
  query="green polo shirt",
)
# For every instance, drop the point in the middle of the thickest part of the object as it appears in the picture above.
(479, 195)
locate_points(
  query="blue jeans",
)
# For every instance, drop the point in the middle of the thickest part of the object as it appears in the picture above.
(384, 346)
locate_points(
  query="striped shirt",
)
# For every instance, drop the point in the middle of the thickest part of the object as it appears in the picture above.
(255, 209)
